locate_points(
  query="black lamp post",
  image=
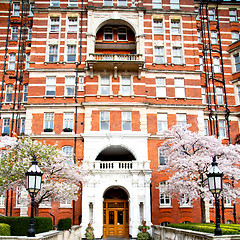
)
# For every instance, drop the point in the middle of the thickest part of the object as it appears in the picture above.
(215, 176)
(34, 180)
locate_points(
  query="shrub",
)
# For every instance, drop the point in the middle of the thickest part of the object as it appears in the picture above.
(89, 232)
(143, 236)
(64, 224)
(19, 225)
(5, 229)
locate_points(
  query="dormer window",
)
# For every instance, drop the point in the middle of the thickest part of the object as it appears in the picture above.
(108, 33)
(122, 34)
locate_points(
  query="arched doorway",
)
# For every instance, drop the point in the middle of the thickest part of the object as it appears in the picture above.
(115, 213)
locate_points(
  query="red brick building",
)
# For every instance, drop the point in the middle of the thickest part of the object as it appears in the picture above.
(117, 73)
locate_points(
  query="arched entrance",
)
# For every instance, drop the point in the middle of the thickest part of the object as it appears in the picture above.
(115, 213)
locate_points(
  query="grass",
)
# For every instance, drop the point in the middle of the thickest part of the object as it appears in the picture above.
(227, 229)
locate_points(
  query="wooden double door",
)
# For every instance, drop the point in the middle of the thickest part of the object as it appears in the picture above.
(115, 218)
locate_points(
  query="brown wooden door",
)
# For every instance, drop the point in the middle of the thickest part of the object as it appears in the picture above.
(115, 218)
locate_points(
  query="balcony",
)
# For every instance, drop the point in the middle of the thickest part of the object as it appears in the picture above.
(115, 61)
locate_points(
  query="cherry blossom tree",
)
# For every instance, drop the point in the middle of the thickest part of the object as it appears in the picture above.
(189, 157)
(61, 179)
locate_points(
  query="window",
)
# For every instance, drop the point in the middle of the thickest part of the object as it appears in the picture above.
(235, 36)
(107, 2)
(25, 92)
(157, 4)
(181, 119)
(219, 94)
(126, 121)
(16, 9)
(237, 62)
(14, 33)
(185, 200)
(159, 55)
(211, 14)
(71, 54)
(222, 128)
(29, 33)
(2, 200)
(108, 33)
(238, 93)
(31, 9)
(68, 152)
(216, 65)
(72, 25)
(22, 128)
(48, 121)
(197, 12)
(161, 87)
(9, 92)
(203, 91)
(164, 224)
(157, 26)
(174, 4)
(199, 36)
(53, 53)
(179, 88)
(201, 63)
(73, 3)
(27, 60)
(177, 55)
(105, 85)
(206, 131)
(81, 84)
(54, 24)
(122, 2)
(20, 196)
(68, 119)
(104, 120)
(161, 157)
(11, 62)
(55, 3)
(214, 37)
(69, 86)
(165, 199)
(175, 27)
(227, 200)
(122, 34)
(126, 85)
(50, 86)
(162, 121)
(66, 204)
(233, 15)
(46, 203)
(6, 126)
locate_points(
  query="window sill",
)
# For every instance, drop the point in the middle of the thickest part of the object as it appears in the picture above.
(185, 206)
(66, 206)
(49, 96)
(228, 207)
(47, 207)
(165, 206)
(65, 133)
(48, 133)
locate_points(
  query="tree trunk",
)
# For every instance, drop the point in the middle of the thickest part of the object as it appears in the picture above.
(36, 210)
(203, 210)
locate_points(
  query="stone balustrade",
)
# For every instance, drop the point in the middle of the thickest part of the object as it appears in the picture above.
(167, 233)
(115, 57)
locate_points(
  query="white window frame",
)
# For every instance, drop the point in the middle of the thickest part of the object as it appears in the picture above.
(238, 95)
(30, 33)
(16, 9)
(50, 86)
(73, 3)
(55, 3)
(53, 53)
(68, 120)
(68, 153)
(54, 24)
(203, 92)
(175, 27)
(159, 55)
(164, 199)
(214, 37)
(126, 85)
(219, 95)
(9, 93)
(222, 128)
(197, 12)
(108, 34)
(161, 90)
(32, 5)
(211, 14)
(201, 63)
(157, 4)
(23, 124)
(122, 34)
(2, 201)
(122, 3)
(233, 15)
(11, 61)
(179, 87)
(49, 120)
(185, 201)
(216, 64)
(25, 92)
(108, 3)
(177, 57)
(126, 121)
(162, 159)
(199, 36)
(45, 204)
(206, 129)
(104, 121)
(69, 86)
(81, 83)
(237, 62)
(181, 119)
(6, 125)
(105, 85)
(174, 4)
(162, 121)
(157, 26)
(72, 24)
(66, 204)
(14, 33)
(27, 61)
(235, 36)
(227, 200)
(71, 53)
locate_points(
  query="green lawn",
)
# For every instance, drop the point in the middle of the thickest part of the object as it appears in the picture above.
(227, 229)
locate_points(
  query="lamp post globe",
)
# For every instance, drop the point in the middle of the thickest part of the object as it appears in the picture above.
(33, 186)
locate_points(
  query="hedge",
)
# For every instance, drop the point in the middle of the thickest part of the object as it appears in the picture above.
(227, 229)
(20, 225)
(5, 229)
(64, 224)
